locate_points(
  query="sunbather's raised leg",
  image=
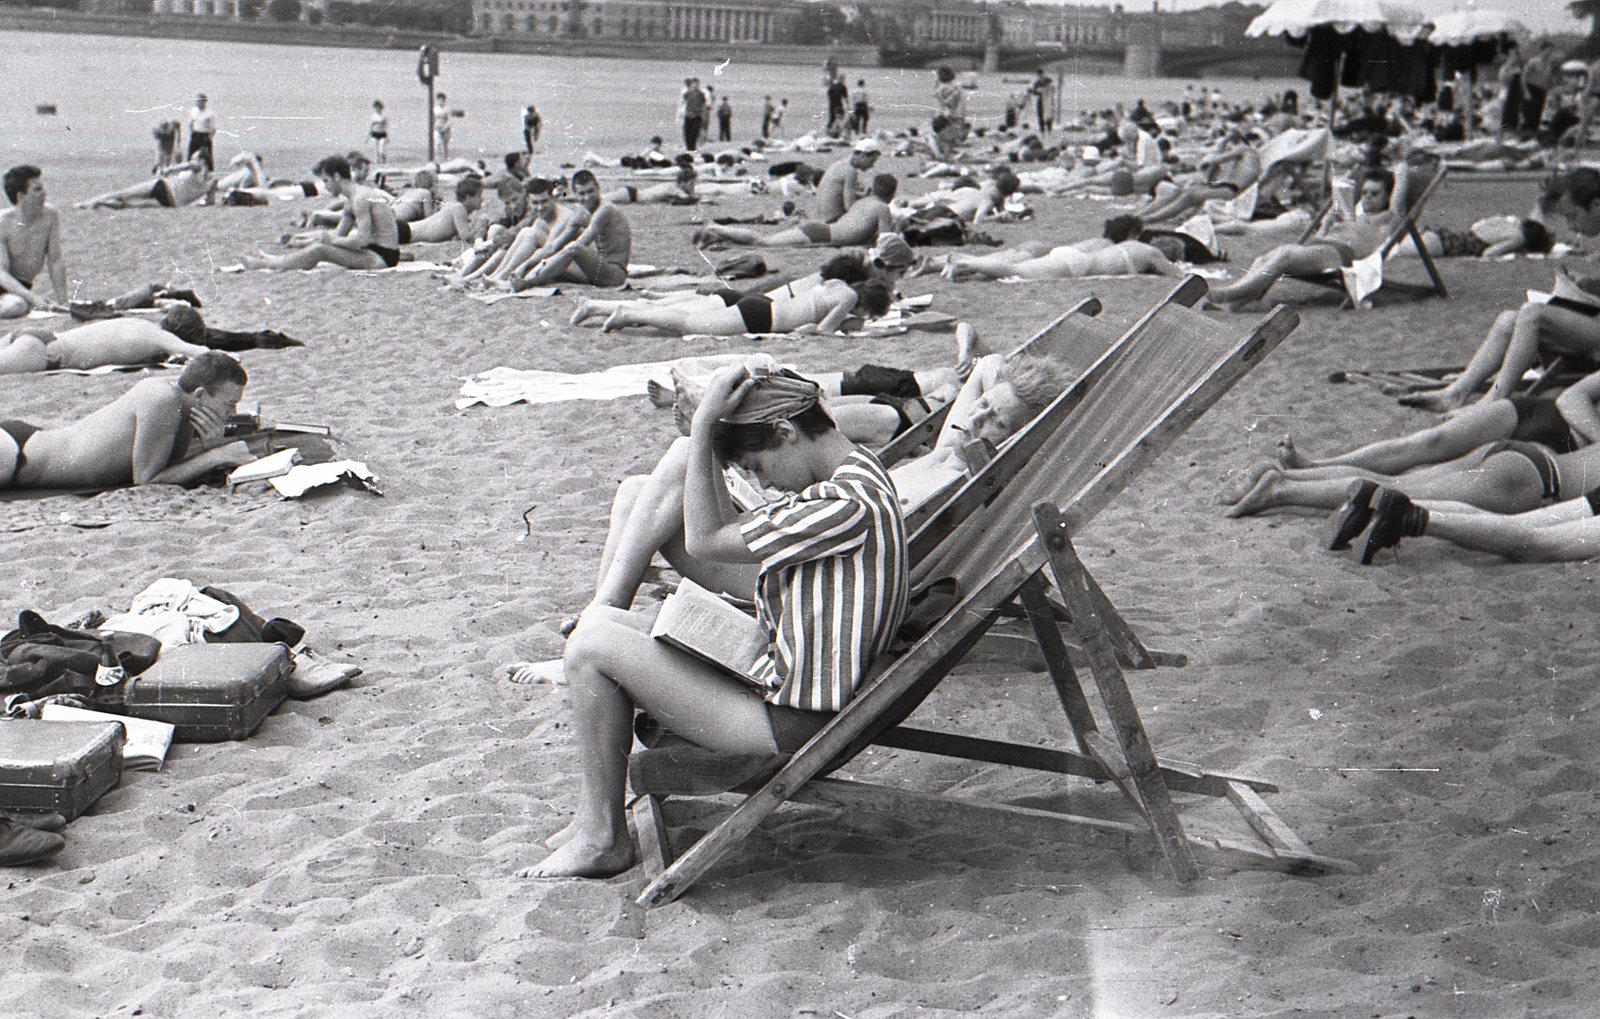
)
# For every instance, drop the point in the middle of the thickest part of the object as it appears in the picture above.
(1486, 360)
(613, 666)
(1473, 426)
(1285, 260)
(1544, 327)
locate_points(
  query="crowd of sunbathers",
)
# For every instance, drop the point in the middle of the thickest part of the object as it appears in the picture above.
(772, 492)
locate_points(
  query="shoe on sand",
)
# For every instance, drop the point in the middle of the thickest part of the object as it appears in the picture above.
(20, 844)
(1351, 518)
(314, 675)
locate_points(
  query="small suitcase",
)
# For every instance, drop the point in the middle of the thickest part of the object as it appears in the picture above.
(57, 767)
(211, 692)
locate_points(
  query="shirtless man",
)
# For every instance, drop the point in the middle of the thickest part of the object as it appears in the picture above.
(550, 225)
(1096, 257)
(866, 219)
(841, 182)
(160, 432)
(1340, 243)
(599, 255)
(1225, 175)
(30, 242)
(367, 238)
(681, 191)
(93, 344)
(453, 222)
(174, 187)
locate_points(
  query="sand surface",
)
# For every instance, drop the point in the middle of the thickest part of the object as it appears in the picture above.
(1427, 718)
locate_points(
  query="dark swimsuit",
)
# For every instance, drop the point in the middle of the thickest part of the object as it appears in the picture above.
(162, 193)
(1461, 244)
(1539, 420)
(755, 309)
(20, 432)
(1543, 461)
(390, 256)
(402, 231)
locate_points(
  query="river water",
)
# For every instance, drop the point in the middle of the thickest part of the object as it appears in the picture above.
(297, 103)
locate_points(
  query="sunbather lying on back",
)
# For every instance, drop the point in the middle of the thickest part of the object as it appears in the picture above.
(1224, 174)
(161, 432)
(861, 224)
(821, 309)
(177, 185)
(1095, 257)
(116, 341)
(679, 191)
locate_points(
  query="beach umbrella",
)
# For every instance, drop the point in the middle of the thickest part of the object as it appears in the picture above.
(1377, 44)
(1463, 28)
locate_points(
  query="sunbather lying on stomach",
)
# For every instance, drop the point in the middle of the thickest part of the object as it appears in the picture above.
(1095, 257)
(1567, 531)
(1340, 242)
(160, 432)
(1489, 237)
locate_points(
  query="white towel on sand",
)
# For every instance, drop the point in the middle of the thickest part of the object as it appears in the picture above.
(502, 387)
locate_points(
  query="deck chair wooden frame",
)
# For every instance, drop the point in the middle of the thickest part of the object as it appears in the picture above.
(1124, 757)
(1406, 227)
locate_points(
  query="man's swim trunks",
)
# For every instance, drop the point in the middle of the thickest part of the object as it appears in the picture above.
(756, 310)
(1461, 244)
(390, 256)
(1538, 420)
(162, 193)
(610, 274)
(20, 432)
(816, 233)
(402, 231)
(633, 192)
(1543, 461)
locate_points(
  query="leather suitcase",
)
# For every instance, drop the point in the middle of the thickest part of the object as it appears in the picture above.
(57, 767)
(211, 692)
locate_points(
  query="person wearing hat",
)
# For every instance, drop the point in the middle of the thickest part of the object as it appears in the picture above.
(825, 565)
(202, 131)
(841, 181)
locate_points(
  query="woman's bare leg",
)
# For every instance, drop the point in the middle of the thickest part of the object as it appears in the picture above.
(612, 666)
(1504, 482)
(1486, 361)
(307, 258)
(1475, 425)
(1542, 326)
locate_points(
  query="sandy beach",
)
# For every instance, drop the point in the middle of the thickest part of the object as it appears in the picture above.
(1427, 717)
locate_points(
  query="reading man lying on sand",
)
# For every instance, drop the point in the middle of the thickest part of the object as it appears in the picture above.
(160, 432)
(826, 566)
(366, 238)
(30, 243)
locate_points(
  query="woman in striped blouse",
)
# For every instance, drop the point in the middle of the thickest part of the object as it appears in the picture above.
(826, 566)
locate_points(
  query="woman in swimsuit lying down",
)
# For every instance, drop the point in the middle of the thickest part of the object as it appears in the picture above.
(1000, 396)
(822, 309)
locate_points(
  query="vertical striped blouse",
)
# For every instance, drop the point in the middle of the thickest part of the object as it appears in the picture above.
(833, 582)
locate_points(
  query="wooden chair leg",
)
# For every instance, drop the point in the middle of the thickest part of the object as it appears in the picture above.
(1154, 799)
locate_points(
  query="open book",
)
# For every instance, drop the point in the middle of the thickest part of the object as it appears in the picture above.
(699, 622)
(147, 740)
(271, 466)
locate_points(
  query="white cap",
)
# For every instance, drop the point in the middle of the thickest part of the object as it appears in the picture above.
(868, 145)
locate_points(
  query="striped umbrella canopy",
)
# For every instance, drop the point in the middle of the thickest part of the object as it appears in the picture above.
(1297, 18)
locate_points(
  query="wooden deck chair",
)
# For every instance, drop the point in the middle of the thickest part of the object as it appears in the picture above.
(1001, 546)
(1342, 279)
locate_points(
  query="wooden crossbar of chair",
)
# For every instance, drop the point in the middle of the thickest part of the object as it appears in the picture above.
(1057, 494)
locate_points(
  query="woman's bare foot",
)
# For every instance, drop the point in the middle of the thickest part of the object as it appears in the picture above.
(1262, 497)
(551, 671)
(1288, 456)
(950, 271)
(1246, 481)
(616, 320)
(583, 312)
(581, 856)
(257, 261)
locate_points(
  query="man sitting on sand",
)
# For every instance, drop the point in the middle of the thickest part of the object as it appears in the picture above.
(30, 243)
(367, 238)
(451, 223)
(508, 257)
(841, 181)
(867, 218)
(174, 187)
(160, 432)
(599, 255)
(826, 566)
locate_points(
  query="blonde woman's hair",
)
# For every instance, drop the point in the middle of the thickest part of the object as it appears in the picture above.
(1037, 380)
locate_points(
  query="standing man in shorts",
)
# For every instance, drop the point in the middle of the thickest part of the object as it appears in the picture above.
(599, 255)
(202, 132)
(30, 243)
